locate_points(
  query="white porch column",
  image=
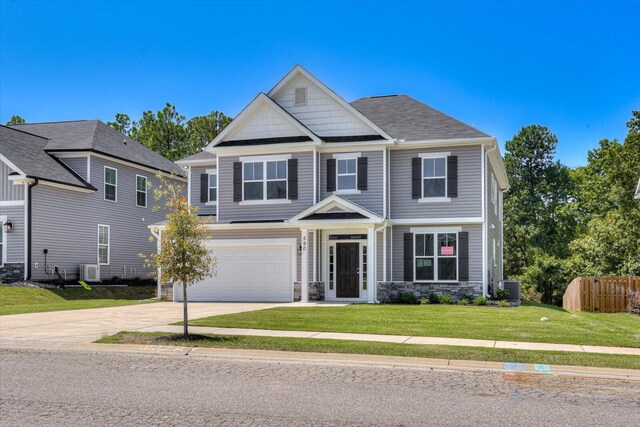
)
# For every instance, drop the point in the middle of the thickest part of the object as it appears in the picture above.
(304, 253)
(371, 265)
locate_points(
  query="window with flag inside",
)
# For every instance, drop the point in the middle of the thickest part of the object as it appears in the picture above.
(435, 257)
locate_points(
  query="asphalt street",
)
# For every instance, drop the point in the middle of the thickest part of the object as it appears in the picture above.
(42, 387)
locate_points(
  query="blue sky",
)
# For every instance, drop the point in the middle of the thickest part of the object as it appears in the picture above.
(572, 66)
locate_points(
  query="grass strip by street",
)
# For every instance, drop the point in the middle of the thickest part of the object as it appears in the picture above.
(377, 348)
(452, 321)
(36, 300)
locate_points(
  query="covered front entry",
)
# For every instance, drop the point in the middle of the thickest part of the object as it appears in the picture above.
(348, 270)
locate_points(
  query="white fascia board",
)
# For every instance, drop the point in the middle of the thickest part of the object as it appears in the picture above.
(257, 101)
(298, 69)
(436, 221)
(497, 162)
(9, 163)
(353, 146)
(66, 187)
(402, 144)
(239, 226)
(196, 162)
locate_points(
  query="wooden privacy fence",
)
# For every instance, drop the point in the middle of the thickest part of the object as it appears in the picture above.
(600, 294)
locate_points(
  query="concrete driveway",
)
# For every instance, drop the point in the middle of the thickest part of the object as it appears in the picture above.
(81, 326)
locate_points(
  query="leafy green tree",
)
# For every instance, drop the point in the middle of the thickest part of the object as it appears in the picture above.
(204, 129)
(15, 120)
(122, 123)
(548, 276)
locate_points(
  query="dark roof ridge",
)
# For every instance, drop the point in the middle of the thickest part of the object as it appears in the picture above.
(24, 131)
(57, 121)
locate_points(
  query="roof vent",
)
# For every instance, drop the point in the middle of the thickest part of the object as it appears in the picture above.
(301, 96)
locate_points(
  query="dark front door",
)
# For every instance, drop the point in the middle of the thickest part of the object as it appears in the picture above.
(348, 284)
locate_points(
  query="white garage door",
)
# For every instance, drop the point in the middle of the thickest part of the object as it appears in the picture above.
(262, 270)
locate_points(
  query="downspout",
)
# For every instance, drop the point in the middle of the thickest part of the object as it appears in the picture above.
(29, 228)
(156, 233)
(375, 282)
(485, 219)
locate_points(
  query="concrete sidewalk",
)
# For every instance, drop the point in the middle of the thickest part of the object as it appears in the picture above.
(401, 339)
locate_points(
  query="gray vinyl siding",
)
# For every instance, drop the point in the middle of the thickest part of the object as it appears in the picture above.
(266, 233)
(204, 208)
(475, 251)
(233, 211)
(9, 191)
(494, 228)
(469, 200)
(66, 223)
(78, 164)
(15, 239)
(372, 198)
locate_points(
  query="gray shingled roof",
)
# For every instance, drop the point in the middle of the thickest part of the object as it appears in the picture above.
(97, 136)
(27, 152)
(202, 155)
(403, 117)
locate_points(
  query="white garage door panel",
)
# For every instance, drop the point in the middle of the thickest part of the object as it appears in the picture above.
(252, 272)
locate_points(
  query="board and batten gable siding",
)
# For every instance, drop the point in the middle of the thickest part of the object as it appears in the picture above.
(15, 239)
(373, 197)
(9, 191)
(228, 210)
(204, 208)
(494, 228)
(475, 251)
(467, 204)
(80, 165)
(322, 114)
(66, 223)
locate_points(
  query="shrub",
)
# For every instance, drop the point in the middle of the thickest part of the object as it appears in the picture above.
(408, 298)
(467, 297)
(503, 303)
(446, 299)
(433, 298)
(424, 301)
(502, 294)
(634, 302)
(550, 277)
(463, 301)
(480, 301)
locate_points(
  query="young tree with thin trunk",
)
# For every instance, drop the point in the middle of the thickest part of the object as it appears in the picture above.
(182, 256)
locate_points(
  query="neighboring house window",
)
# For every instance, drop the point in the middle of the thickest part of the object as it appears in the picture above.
(104, 240)
(436, 257)
(141, 191)
(258, 185)
(346, 173)
(213, 187)
(110, 183)
(434, 177)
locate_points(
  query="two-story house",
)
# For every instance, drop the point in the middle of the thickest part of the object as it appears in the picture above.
(76, 194)
(311, 197)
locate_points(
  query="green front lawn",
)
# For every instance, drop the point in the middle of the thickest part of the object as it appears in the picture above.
(387, 349)
(494, 323)
(33, 300)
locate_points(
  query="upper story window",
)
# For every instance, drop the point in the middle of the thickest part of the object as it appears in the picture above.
(300, 96)
(141, 191)
(104, 243)
(434, 177)
(110, 183)
(265, 180)
(213, 187)
(436, 257)
(346, 173)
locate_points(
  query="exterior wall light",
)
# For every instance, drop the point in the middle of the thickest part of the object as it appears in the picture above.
(8, 226)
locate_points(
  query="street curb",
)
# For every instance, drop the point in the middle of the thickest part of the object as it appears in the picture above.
(362, 360)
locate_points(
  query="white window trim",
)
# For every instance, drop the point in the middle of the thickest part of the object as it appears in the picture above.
(108, 245)
(104, 184)
(435, 199)
(209, 187)
(146, 181)
(435, 254)
(265, 180)
(3, 245)
(338, 174)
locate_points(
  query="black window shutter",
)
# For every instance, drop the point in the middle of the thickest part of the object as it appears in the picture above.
(331, 174)
(408, 257)
(452, 176)
(463, 256)
(416, 178)
(362, 173)
(204, 188)
(292, 164)
(237, 181)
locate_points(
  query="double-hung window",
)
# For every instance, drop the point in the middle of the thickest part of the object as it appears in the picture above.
(104, 242)
(346, 172)
(110, 183)
(436, 257)
(265, 180)
(213, 187)
(141, 191)
(434, 177)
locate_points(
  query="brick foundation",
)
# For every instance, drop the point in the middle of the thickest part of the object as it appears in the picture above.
(390, 291)
(10, 273)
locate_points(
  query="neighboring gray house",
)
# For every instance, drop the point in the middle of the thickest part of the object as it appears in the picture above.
(76, 193)
(312, 197)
